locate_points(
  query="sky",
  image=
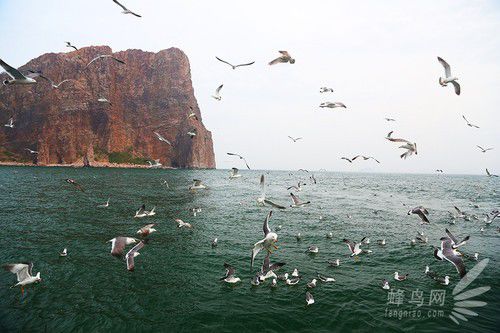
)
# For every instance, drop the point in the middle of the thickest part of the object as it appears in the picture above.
(380, 57)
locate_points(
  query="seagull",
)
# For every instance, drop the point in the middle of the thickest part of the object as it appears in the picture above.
(146, 230)
(332, 105)
(217, 95)
(182, 224)
(347, 159)
(234, 66)
(229, 276)
(74, 183)
(292, 281)
(68, 44)
(411, 148)
(154, 165)
(192, 133)
(103, 56)
(52, 83)
(454, 241)
(381, 242)
(439, 170)
(134, 252)
(274, 283)
(284, 58)
(448, 253)
(10, 124)
(325, 279)
(312, 249)
(444, 280)
(421, 212)
(295, 272)
(104, 205)
(241, 158)
(385, 285)
(334, 263)
(329, 235)
(64, 253)
(469, 124)
(312, 284)
(325, 89)
(125, 10)
(298, 237)
(234, 173)
(461, 215)
(295, 139)
(16, 76)
(309, 298)
(354, 247)
(161, 138)
(24, 274)
(313, 178)
(390, 138)
(197, 185)
(421, 238)
(488, 219)
(390, 119)
(104, 100)
(398, 277)
(296, 201)
(31, 151)
(297, 188)
(366, 158)
(270, 239)
(192, 114)
(267, 269)
(443, 81)
(484, 150)
(214, 242)
(490, 174)
(118, 244)
(142, 212)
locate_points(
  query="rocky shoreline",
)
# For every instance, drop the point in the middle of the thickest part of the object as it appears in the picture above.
(94, 165)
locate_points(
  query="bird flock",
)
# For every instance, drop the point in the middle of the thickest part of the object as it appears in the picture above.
(446, 251)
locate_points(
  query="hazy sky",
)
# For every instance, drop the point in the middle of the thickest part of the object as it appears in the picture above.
(378, 56)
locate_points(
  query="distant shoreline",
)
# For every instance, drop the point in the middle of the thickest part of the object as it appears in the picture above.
(95, 165)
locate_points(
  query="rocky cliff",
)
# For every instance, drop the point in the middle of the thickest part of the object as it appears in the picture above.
(73, 124)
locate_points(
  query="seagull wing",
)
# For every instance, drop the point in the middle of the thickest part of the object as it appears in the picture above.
(224, 62)
(350, 244)
(422, 216)
(269, 202)
(247, 64)
(22, 271)
(131, 254)
(118, 245)
(256, 249)
(277, 61)
(295, 200)
(450, 235)
(13, 73)
(456, 86)
(480, 147)
(285, 53)
(217, 91)
(266, 228)
(452, 257)
(262, 186)
(248, 167)
(447, 70)
(119, 4)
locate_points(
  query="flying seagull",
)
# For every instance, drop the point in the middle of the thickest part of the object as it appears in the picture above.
(297, 188)
(192, 133)
(182, 224)
(146, 230)
(214, 242)
(262, 199)
(104, 100)
(448, 253)
(217, 95)
(155, 165)
(142, 212)
(347, 159)
(390, 138)
(269, 240)
(443, 81)
(234, 173)
(234, 66)
(468, 123)
(366, 158)
(421, 212)
(229, 276)
(325, 89)
(134, 252)
(267, 269)
(74, 183)
(390, 119)
(31, 151)
(118, 244)
(68, 44)
(10, 124)
(241, 158)
(16, 76)
(484, 150)
(24, 274)
(295, 139)
(105, 205)
(125, 10)
(284, 58)
(332, 105)
(296, 201)
(454, 241)
(355, 247)
(490, 174)
(103, 56)
(161, 138)
(411, 148)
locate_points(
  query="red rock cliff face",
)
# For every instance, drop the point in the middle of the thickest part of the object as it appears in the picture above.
(151, 92)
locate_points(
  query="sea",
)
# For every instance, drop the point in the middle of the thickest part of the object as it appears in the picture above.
(176, 285)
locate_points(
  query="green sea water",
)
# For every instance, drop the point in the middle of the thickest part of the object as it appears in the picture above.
(175, 286)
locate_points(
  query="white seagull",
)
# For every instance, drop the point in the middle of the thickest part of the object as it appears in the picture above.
(234, 66)
(241, 158)
(155, 165)
(385, 284)
(325, 89)
(105, 205)
(443, 81)
(31, 151)
(161, 138)
(104, 56)
(296, 201)
(118, 244)
(468, 123)
(134, 252)
(197, 185)
(146, 230)
(490, 174)
(182, 224)
(24, 274)
(448, 253)
(142, 212)
(270, 239)
(484, 150)
(217, 95)
(64, 253)
(398, 277)
(229, 276)
(421, 212)
(355, 247)
(332, 105)
(234, 173)
(309, 298)
(16, 76)
(295, 139)
(125, 10)
(10, 124)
